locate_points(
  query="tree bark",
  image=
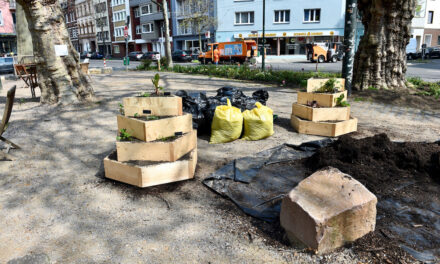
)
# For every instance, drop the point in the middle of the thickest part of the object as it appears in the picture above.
(381, 58)
(60, 78)
(167, 34)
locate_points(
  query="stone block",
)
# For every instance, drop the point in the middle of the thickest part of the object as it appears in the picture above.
(107, 70)
(327, 210)
(95, 70)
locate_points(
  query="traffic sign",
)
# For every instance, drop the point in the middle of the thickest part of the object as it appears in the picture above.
(208, 34)
(126, 32)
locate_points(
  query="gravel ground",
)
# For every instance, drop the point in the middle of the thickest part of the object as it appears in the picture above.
(54, 199)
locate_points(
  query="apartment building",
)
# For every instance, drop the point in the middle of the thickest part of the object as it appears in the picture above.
(120, 19)
(290, 24)
(148, 22)
(103, 29)
(425, 26)
(86, 25)
(185, 36)
(69, 10)
(8, 36)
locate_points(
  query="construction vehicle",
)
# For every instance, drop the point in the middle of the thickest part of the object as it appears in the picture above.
(325, 52)
(230, 52)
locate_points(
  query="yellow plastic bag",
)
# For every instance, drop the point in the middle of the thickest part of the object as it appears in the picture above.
(227, 124)
(258, 123)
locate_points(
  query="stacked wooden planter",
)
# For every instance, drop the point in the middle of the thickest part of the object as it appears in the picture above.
(164, 148)
(318, 113)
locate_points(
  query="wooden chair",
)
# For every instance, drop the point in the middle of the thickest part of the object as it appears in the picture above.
(28, 73)
(4, 124)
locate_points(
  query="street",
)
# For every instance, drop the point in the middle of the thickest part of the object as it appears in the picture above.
(429, 71)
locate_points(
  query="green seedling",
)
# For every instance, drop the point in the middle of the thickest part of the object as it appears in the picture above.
(155, 82)
(136, 115)
(145, 94)
(152, 117)
(329, 86)
(164, 139)
(124, 135)
(341, 103)
(121, 109)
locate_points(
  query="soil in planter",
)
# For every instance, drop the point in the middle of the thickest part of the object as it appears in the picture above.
(150, 118)
(145, 163)
(166, 139)
(155, 95)
(405, 177)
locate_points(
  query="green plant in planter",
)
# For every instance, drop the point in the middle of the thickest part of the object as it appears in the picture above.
(340, 103)
(329, 86)
(155, 82)
(121, 109)
(152, 117)
(136, 115)
(145, 95)
(124, 135)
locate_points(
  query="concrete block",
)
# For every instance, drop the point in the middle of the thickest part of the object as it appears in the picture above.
(95, 70)
(327, 210)
(107, 70)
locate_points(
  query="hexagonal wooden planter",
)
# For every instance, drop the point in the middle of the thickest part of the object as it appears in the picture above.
(155, 129)
(326, 129)
(323, 99)
(153, 105)
(314, 84)
(321, 113)
(157, 150)
(151, 173)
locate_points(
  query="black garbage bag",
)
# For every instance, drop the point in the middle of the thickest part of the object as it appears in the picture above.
(261, 96)
(196, 104)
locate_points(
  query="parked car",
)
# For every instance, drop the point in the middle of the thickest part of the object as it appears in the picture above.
(85, 54)
(193, 53)
(6, 65)
(151, 55)
(96, 56)
(411, 50)
(433, 52)
(135, 55)
(181, 55)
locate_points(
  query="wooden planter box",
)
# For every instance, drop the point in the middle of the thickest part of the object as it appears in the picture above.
(326, 129)
(155, 129)
(157, 106)
(314, 84)
(157, 150)
(154, 174)
(323, 99)
(321, 113)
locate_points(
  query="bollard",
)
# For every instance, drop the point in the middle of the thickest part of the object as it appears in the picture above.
(105, 65)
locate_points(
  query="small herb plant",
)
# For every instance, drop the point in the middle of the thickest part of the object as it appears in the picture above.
(124, 135)
(341, 103)
(329, 86)
(152, 117)
(155, 82)
(121, 109)
(136, 115)
(145, 94)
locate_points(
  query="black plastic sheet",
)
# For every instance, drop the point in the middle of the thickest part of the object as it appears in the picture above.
(257, 184)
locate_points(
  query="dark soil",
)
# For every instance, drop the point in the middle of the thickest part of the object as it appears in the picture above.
(405, 177)
(150, 118)
(145, 163)
(401, 98)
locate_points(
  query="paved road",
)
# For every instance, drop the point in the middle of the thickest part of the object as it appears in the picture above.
(428, 71)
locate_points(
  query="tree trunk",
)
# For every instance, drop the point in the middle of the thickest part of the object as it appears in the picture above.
(200, 37)
(167, 34)
(381, 58)
(60, 78)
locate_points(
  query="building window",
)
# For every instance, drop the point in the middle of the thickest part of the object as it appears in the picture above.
(118, 2)
(244, 18)
(116, 48)
(1, 19)
(119, 32)
(312, 15)
(438, 40)
(147, 9)
(136, 12)
(282, 16)
(138, 29)
(148, 28)
(428, 39)
(430, 17)
(184, 29)
(119, 16)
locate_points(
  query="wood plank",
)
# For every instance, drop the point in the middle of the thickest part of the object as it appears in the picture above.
(157, 151)
(314, 84)
(145, 176)
(158, 106)
(321, 113)
(323, 99)
(155, 129)
(326, 129)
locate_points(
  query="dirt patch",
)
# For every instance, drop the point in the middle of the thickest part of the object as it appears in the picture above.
(401, 98)
(405, 177)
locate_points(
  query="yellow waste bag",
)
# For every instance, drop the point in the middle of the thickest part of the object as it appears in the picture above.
(227, 124)
(258, 123)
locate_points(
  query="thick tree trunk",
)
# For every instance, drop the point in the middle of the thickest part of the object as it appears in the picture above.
(59, 78)
(167, 34)
(381, 58)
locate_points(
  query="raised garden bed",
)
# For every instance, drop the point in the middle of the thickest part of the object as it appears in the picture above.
(150, 173)
(315, 84)
(326, 129)
(150, 130)
(165, 149)
(153, 105)
(322, 99)
(321, 113)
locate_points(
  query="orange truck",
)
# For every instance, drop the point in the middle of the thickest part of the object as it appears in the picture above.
(232, 52)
